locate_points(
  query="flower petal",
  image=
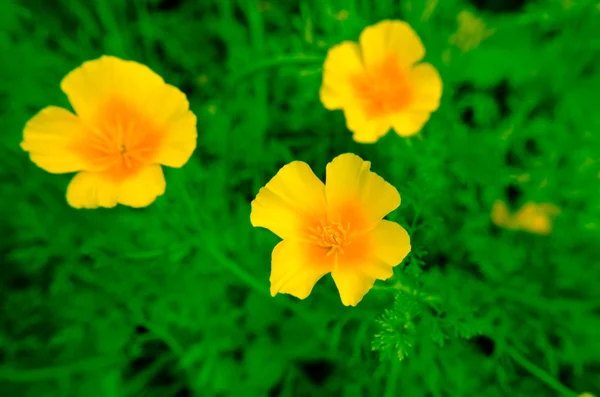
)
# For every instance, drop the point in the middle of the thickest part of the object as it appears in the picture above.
(293, 197)
(533, 218)
(49, 136)
(170, 110)
(297, 266)
(409, 123)
(342, 62)
(357, 194)
(365, 130)
(352, 285)
(391, 244)
(426, 88)
(502, 217)
(93, 190)
(379, 40)
(370, 257)
(95, 82)
(98, 85)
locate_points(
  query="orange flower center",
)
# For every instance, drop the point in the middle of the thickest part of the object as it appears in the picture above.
(121, 142)
(383, 89)
(333, 236)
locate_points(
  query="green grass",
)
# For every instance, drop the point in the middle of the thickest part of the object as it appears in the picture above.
(173, 299)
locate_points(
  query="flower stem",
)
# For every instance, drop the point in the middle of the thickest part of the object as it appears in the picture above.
(541, 374)
(260, 66)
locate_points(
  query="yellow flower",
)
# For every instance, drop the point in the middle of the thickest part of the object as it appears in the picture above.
(335, 228)
(537, 218)
(128, 123)
(471, 31)
(502, 217)
(532, 217)
(379, 84)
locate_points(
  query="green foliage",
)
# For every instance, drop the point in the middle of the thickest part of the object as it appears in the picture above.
(173, 299)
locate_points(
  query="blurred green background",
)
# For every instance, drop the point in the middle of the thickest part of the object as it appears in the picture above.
(173, 299)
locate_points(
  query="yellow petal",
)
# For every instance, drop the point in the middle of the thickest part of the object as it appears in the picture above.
(357, 194)
(409, 123)
(368, 258)
(352, 285)
(549, 209)
(342, 62)
(93, 190)
(533, 218)
(296, 267)
(391, 244)
(426, 88)
(95, 82)
(365, 130)
(292, 199)
(379, 40)
(170, 110)
(49, 136)
(502, 217)
(97, 85)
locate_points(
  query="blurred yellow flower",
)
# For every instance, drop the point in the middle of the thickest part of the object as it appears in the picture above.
(342, 15)
(128, 123)
(379, 84)
(335, 228)
(532, 217)
(471, 31)
(502, 217)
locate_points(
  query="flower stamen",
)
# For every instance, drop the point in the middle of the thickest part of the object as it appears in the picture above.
(332, 235)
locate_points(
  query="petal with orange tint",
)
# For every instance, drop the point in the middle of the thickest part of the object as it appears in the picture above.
(293, 197)
(342, 62)
(409, 123)
(112, 93)
(533, 218)
(357, 194)
(96, 82)
(296, 267)
(170, 112)
(380, 40)
(426, 88)
(374, 257)
(49, 137)
(93, 190)
(365, 130)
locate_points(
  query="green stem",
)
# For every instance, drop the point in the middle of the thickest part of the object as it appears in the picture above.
(541, 374)
(274, 63)
(58, 371)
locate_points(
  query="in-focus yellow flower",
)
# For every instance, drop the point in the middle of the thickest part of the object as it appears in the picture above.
(127, 123)
(335, 228)
(379, 84)
(532, 217)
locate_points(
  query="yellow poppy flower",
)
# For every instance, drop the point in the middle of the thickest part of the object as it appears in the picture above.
(502, 217)
(335, 228)
(532, 217)
(379, 84)
(127, 123)
(471, 31)
(537, 218)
